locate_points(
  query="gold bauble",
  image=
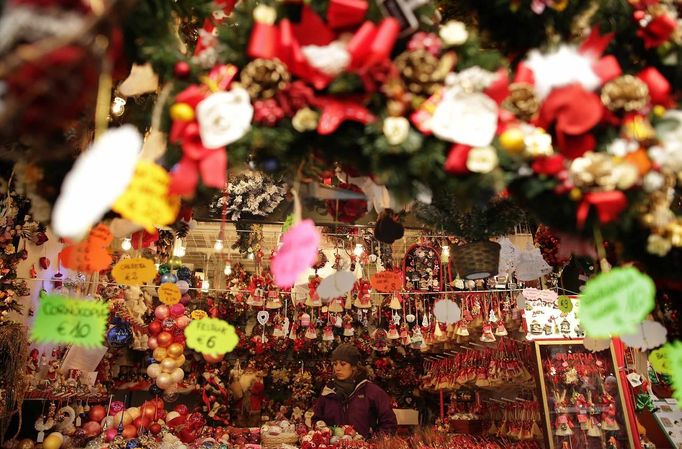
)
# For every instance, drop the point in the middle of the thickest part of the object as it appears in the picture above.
(575, 194)
(26, 443)
(182, 112)
(52, 441)
(512, 140)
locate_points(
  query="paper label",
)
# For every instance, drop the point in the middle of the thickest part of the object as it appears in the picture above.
(565, 304)
(211, 336)
(63, 320)
(146, 200)
(534, 294)
(169, 294)
(387, 281)
(198, 314)
(90, 255)
(614, 303)
(134, 271)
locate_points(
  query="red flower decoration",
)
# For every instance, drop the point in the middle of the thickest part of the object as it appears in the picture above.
(573, 112)
(657, 31)
(549, 165)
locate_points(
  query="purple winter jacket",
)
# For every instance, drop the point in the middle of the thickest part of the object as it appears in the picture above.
(367, 407)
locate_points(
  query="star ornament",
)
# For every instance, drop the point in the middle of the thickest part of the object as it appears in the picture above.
(335, 112)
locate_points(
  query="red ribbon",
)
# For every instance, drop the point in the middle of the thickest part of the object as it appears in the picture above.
(609, 205)
(346, 13)
(456, 163)
(658, 31)
(335, 112)
(659, 87)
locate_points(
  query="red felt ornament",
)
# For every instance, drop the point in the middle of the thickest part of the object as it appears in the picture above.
(335, 112)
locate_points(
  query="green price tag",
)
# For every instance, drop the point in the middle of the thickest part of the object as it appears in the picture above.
(76, 322)
(614, 303)
(673, 352)
(211, 336)
(288, 222)
(565, 304)
(659, 360)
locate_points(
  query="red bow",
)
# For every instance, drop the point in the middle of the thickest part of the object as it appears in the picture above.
(657, 31)
(456, 163)
(609, 205)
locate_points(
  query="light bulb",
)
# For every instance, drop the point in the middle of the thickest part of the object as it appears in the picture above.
(228, 269)
(204, 286)
(118, 107)
(218, 246)
(359, 249)
(126, 244)
(179, 251)
(445, 253)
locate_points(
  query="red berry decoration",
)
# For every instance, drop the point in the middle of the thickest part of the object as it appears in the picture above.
(182, 69)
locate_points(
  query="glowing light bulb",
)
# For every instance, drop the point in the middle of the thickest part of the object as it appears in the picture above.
(359, 249)
(445, 253)
(204, 286)
(118, 107)
(126, 244)
(218, 246)
(228, 269)
(179, 251)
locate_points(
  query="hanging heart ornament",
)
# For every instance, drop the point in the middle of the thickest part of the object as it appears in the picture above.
(263, 317)
(410, 318)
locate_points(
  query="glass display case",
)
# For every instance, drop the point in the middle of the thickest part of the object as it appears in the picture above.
(582, 396)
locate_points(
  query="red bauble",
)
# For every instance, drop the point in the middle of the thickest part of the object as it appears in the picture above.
(97, 413)
(154, 328)
(182, 69)
(129, 431)
(187, 436)
(142, 421)
(182, 409)
(214, 359)
(149, 410)
(164, 339)
(155, 428)
(110, 434)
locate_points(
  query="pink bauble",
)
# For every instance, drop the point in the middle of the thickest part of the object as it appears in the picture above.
(153, 343)
(177, 310)
(183, 321)
(185, 299)
(110, 434)
(161, 312)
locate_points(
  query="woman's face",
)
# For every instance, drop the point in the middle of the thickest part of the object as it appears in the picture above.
(342, 370)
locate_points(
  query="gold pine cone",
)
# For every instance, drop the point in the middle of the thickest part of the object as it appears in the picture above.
(416, 69)
(263, 78)
(522, 101)
(625, 93)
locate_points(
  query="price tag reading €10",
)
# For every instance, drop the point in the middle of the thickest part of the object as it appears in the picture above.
(70, 321)
(169, 293)
(211, 336)
(146, 200)
(134, 271)
(565, 304)
(614, 303)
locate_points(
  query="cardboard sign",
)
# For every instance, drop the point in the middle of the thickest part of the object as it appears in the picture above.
(61, 320)
(659, 360)
(169, 294)
(533, 294)
(134, 271)
(90, 255)
(211, 336)
(146, 200)
(198, 315)
(565, 304)
(387, 281)
(614, 303)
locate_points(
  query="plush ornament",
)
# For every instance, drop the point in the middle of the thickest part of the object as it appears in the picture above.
(388, 228)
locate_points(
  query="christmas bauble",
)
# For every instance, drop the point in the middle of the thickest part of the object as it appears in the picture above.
(159, 353)
(53, 441)
(153, 371)
(164, 339)
(164, 269)
(184, 274)
(167, 365)
(119, 336)
(175, 350)
(129, 431)
(154, 327)
(182, 69)
(512, 140)
(182, 112)
(97, 413)
(169, 278)
(133, 443)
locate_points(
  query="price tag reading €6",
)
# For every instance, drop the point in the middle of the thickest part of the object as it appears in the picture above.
(70, 321)
(134, 271)
(146, 200)
(169, 293)
(614, 303)
(211, 336)
(659, 360)
(565, 304)
(674, 356)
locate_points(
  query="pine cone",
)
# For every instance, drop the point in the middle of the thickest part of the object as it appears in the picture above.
(263, 78)
(417, 70)
(625, 93)
(522, 101)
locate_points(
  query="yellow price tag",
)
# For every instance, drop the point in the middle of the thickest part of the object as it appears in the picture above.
(134, 271)
(659, 360)
(169, 293)
(146, 200)
(211, 336)
(198, 315)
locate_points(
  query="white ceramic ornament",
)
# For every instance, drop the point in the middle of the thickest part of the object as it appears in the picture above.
(224, 117)
(263, 317)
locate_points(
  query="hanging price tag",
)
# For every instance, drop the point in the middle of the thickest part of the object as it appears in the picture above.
(387, 281)
(169, 294)
(659, 360)
(61, 320)
(134, 271)
(211, 336)
(565, 304)
(146, 200)
(198, 315)
(90, 255)
(614, 303)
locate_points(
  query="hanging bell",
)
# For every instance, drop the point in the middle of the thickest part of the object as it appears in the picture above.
(395, 303)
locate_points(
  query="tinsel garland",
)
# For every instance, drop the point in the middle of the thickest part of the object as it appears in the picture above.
(13, 356)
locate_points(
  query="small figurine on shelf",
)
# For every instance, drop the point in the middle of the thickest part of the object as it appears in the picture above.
(563, 424)
(612, 443)
(608, 413)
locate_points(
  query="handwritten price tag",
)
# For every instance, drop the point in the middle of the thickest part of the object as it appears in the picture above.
(387, 281)
(659, 360)
(614, 303)
(565, 304)
(134, 271)
(199, 315)
(211, 336)
(90, 255)
(146, 200)
(169, 294)
(77, 322)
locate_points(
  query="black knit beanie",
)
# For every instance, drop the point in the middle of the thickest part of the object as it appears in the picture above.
(347, 353)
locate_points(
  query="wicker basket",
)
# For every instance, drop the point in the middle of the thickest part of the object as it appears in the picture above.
(273, 441)
(477, 260)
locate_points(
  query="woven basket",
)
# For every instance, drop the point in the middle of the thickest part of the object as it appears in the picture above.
(477, 260)
(273, 441)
